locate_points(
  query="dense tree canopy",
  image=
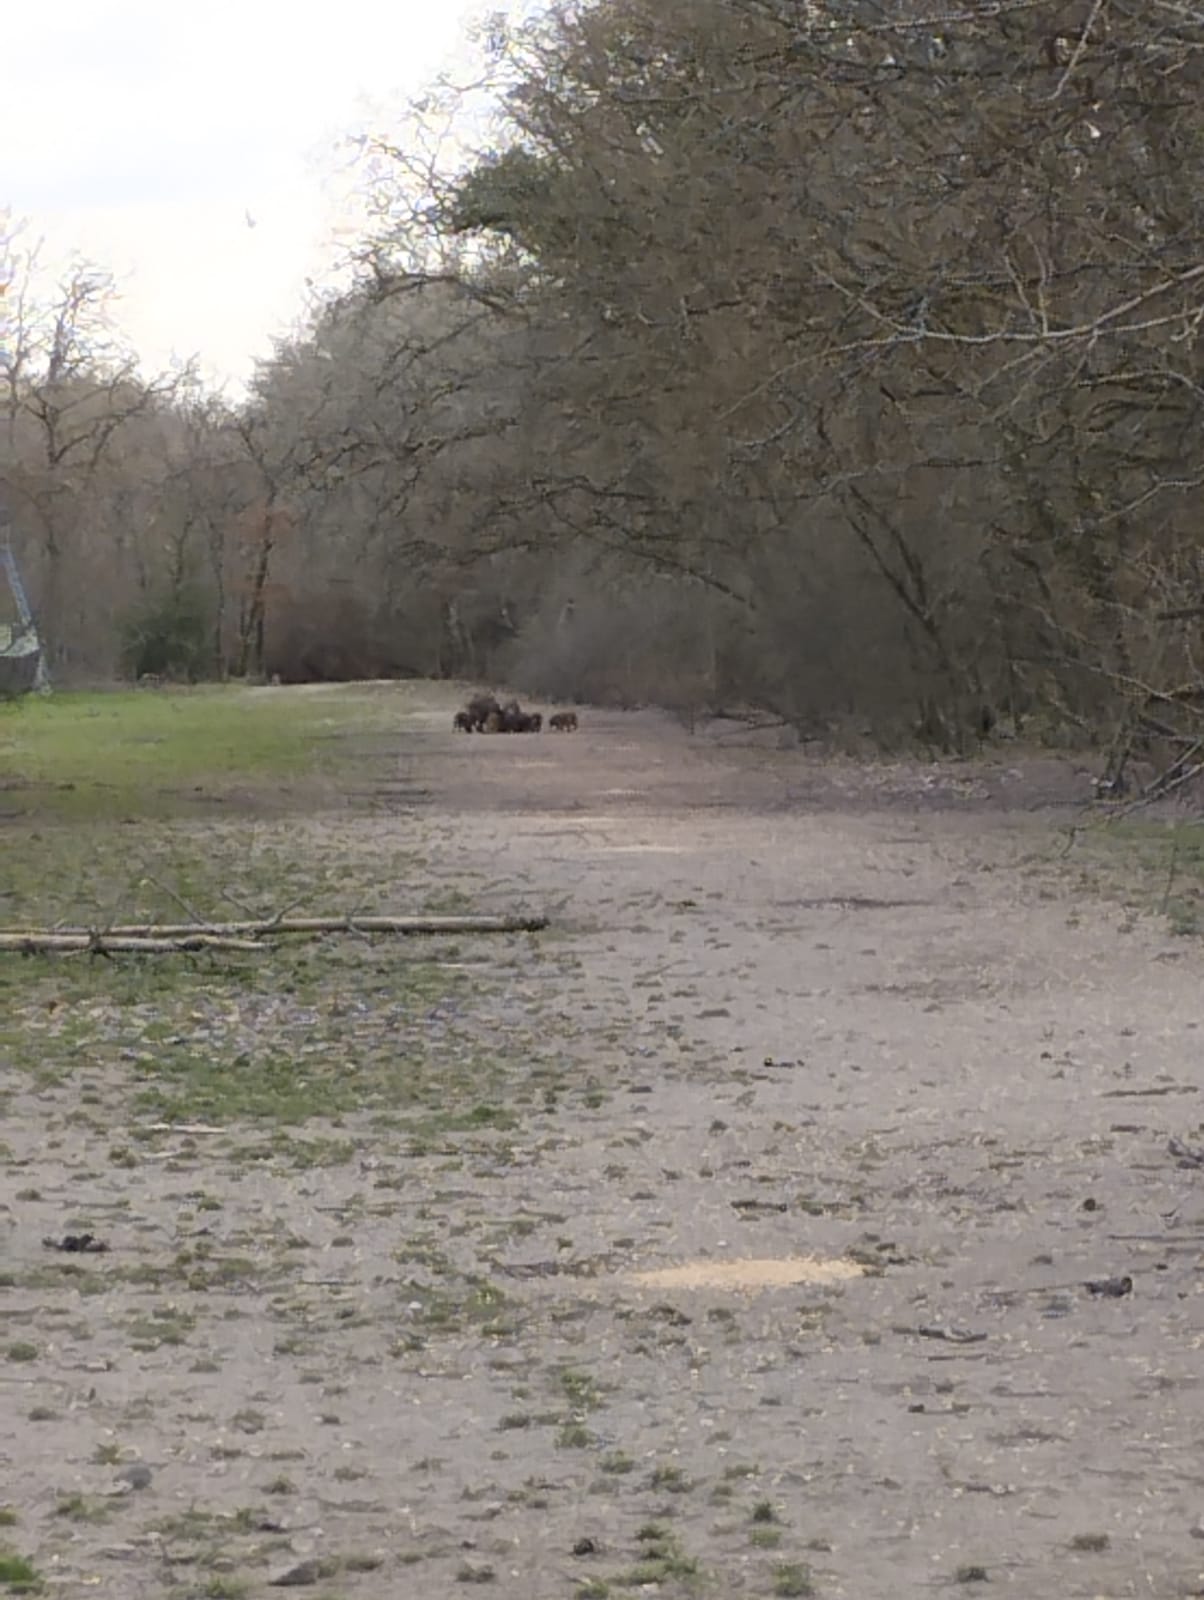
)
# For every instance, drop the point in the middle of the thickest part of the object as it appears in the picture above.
(830, 358)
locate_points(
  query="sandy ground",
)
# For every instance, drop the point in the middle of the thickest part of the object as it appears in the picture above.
(806, 1013)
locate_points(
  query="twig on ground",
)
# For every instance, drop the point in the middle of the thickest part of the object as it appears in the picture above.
(202, 924)
(1170, 1239)
(1187, 1155)
(1072, 833)
(180, 1127)
(1182, 771)
(1170, 876)
(282, 914)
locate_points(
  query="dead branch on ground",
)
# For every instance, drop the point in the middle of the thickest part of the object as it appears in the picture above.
(158, 938)
(33, 942)
(259, 927)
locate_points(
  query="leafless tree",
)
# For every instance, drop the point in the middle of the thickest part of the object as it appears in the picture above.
(72, 391)
(884, 333)
(844, 361)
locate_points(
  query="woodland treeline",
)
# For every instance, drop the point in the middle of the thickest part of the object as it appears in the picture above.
(840, 360)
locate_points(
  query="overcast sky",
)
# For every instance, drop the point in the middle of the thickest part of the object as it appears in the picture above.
(142, 133)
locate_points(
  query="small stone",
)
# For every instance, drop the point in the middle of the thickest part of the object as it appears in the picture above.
(137, 1476)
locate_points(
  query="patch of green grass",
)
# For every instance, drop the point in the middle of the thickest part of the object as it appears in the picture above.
(335, 1031)
(193, 1523)
(1185, 917)
(316, 1029)
(661, 1560)
(21, 1350)
(475, 1302)
(574, 1436)
(96, 755)
(792, 1581)
(174, 1030)
(581, 1391)
(176, 764)
(197, 1524)
(166, 1325)
(1149, 865)
(364, 1562)
(361, 1068)
(470, 1574)
(17, 1575)
(8, 1517)
(78, 1508)
(222, 1588)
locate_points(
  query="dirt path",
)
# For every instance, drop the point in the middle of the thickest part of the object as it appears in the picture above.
(787, 1012)
(875, 1022)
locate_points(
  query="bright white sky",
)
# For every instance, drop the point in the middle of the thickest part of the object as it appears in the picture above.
(141, 133)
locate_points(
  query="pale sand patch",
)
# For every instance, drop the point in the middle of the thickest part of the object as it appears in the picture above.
(748, 1273)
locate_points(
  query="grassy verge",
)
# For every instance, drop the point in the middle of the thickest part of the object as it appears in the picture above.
(1152, 867)
(309, 1029)
(134, 754)
(123, 805)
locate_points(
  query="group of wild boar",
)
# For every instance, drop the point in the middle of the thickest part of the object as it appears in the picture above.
(483, 714)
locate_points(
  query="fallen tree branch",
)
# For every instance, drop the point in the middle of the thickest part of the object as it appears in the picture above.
(273, 925)
(165, 938)
(1184, 770)
(33, 942)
